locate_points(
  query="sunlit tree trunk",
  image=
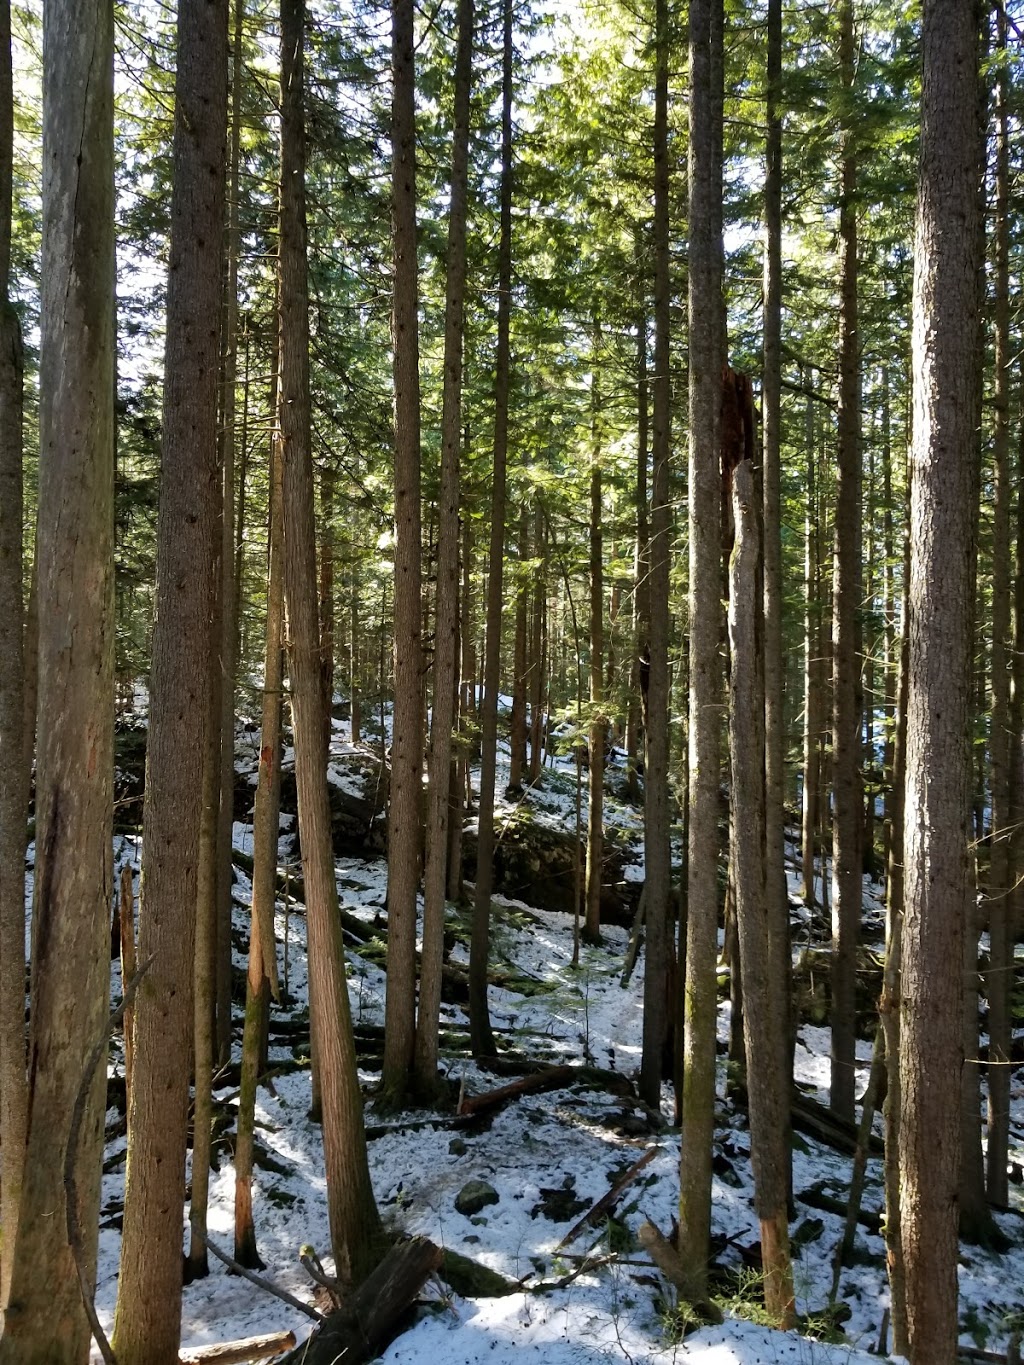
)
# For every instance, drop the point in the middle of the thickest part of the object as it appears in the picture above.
(946, 346)
(439, 810)
(707, 358)
(763, 1000)
(354, 1222)
(148, 1319)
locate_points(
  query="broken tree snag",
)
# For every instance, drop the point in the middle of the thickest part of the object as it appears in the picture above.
(239, 1352)
(548, 1078)
(609, 1200)
(669, 1262)
(373, 1314)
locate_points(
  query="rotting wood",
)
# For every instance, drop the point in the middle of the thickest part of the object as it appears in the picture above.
(369, 1320)
(239, 1352)
(609, 1200)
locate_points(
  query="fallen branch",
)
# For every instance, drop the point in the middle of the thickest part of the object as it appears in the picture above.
(609, 1200)
(547, 1078)
(239, 1352)
(261, 1283)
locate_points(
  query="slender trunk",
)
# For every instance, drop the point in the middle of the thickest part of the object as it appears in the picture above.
(774, 672)
(847, 886)
(654, 680)
(226, 647)
(1000, 978)
(889, 635)
(15, 784)
(946, 346)
(354, 1222)
(537, 656)
(641, 557)
(327, 642)
(517, 719)
(439, 812)
(148, 1320)
(812, 671)
(764, 1024)
(405, 807)
(204, 969)
(479, 1019)
(598, 724)
(262, 949)
(707, 360)
(889, 1005)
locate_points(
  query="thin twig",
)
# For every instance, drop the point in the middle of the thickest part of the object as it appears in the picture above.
(268, 1286)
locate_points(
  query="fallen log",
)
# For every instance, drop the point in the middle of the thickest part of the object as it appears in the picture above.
(609, 1200)
(545, 1079)
(239, 1352)
(372, 1315)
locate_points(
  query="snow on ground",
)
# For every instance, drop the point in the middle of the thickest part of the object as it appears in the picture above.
(548, 1158)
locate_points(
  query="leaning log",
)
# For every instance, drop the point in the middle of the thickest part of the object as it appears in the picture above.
(373, 1315)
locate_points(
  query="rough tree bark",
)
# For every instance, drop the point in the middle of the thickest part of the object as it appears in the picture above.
(354, 1222)
(45, 1318)
(707, 346)
(763, 999)
(148, 1320)
(946, 345)
(439, 811)
(598, 725)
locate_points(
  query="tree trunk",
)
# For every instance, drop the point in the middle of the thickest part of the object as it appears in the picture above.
(538, 669)
(439, 811)
(847, 884)
(1000, 978)
(15, 786)
(148, 1320)
(354, 1222)
(598, 725)
(45, 1318)
(774, 672)
(707, 359)
(889, 1005)
(812, 671)
(266, 823)
(654, 682)
(946, 347)
(517, 720)
(405, 833)
(479, 1019)
(641, 551)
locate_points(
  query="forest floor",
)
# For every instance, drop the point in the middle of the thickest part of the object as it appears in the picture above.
(546, 1159)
